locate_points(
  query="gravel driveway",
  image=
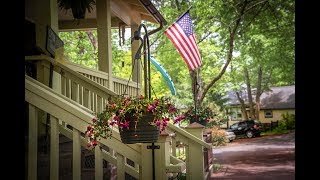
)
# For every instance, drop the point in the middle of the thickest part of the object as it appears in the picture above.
(267, 157)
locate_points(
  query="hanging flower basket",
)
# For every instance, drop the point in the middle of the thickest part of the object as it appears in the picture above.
(139, 120)
(78, 7)
(140, 131)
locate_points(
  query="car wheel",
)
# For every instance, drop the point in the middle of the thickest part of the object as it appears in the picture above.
(249, 134)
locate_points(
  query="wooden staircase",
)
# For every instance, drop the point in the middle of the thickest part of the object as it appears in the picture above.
(71, 103)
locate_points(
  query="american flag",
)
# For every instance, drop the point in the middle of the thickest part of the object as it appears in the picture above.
(183, 38)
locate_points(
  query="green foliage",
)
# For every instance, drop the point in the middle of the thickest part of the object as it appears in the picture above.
(78, 48)
(265, 37)
(287, 121)
(286, 124)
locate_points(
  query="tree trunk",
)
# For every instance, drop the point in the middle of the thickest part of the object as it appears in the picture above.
(243, 106)
(258, 93)
(94, 43)
(232, 34)
(246, 75)
(93, 40)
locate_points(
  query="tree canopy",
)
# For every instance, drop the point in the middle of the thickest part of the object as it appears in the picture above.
(256, 37)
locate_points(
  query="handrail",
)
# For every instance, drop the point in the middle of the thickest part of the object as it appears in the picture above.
(187, 135)
(59, 107)
(59, 95)
(99, 74)
(64, 67)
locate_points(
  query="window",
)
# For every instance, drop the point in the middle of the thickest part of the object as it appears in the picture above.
(239, 115)
(234, 126)
(268, 114)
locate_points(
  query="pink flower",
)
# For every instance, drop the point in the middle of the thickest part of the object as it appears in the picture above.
(94, 143)
(88, 144)
(112, 123)
(166, 119)
(151, 108)
(158, 123)
(164, 123)
(116, 118)
(89, 128)
(172, 109)
(94, 120)
(126, 124)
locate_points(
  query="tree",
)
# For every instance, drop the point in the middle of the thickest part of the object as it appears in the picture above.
(223, 27)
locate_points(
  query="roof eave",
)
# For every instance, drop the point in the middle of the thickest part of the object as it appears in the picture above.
(152, 10)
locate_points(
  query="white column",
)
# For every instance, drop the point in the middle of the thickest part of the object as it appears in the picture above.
(136, 76)
(32, 143)
(145, 169)
(98, 163)
(162, 156)
(76, 155)
(54, 148)
(104, 39)
(120, 166)
(194, 153)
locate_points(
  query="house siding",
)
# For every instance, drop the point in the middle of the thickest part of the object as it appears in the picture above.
(276, 114)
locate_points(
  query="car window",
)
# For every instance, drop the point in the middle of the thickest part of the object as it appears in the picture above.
(234, 126)
(251, 122)
(241, 124)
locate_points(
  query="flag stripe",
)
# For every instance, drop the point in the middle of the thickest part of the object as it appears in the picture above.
(184, 45)
(183, 38)
(187, 43)
(181, 51)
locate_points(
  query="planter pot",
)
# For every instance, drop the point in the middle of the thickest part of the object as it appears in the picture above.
(204, 123)
(78, 13)
(140, 132)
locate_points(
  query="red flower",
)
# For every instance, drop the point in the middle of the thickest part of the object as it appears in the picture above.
(155, 103)
(89, 128)
(116, 118)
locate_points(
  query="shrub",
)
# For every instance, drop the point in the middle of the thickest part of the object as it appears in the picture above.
(288, 121)
(218, 137)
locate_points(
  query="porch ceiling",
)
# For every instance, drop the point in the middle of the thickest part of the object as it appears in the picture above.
(126, 12)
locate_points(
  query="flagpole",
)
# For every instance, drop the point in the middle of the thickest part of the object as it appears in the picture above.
(195, 95)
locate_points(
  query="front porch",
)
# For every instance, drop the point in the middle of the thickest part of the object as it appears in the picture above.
(63, 97)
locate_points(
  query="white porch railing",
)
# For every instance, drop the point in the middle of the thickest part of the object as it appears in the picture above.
(62, 109)
(120, 85)
(74, 98)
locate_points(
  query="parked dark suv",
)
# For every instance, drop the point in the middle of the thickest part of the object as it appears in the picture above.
(250, 128)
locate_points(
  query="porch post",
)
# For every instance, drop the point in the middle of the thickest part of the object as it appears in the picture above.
(136, 76)
(104, 39)
(162, 156)
(145, 170)
(195, 159)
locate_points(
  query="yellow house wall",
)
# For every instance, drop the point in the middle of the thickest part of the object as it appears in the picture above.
(276, 115)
